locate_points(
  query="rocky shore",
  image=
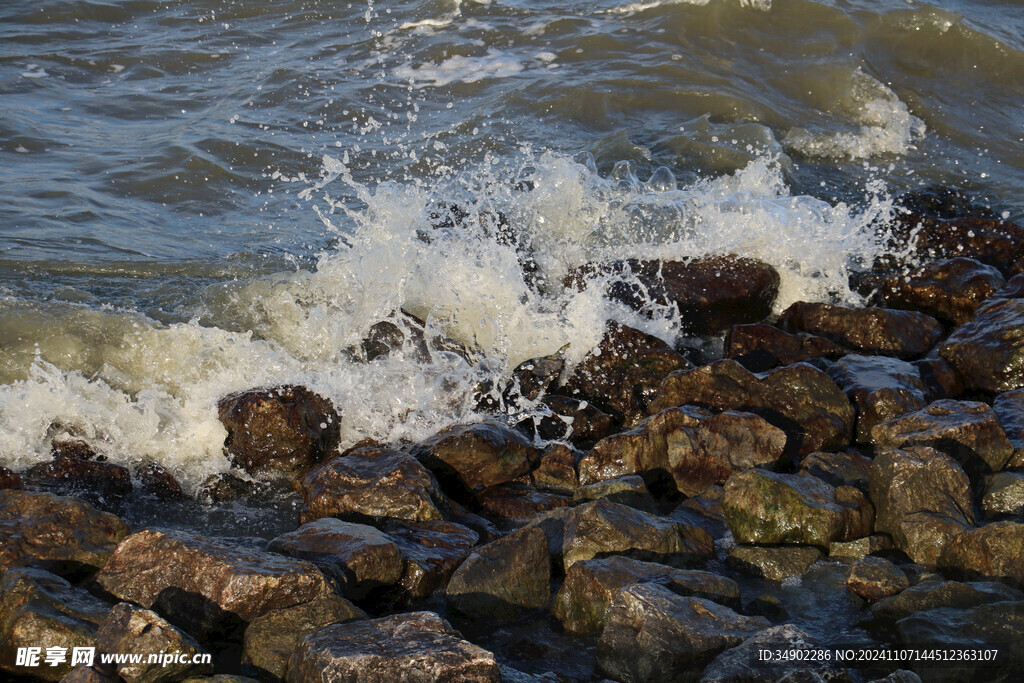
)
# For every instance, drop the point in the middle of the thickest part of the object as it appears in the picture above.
(836, 477)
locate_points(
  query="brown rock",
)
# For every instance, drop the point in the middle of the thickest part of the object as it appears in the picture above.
(860, 547)
(574, 420)
(556, 471)
(517, 501)
(535, 377)
(881, 331)
(628, 490)
(874, 578)
(995, 551)
(948, 289)
(839, 469)
(989, 352)
(880, 389)
(131, 630)
(103, 484)
(772, 563)
(941, 378)
(430, 551)
(991, 241)
(934, 594)
(10, 479)
(1003, 494)
(762, 347)
(478, 455)
(156, 481)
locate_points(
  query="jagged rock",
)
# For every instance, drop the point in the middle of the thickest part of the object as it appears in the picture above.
(582, 603)
(1009, 408)
(629, 490)
(280, 432)
(991, 241)
(742, 664)
(209, 588)
(948, 289)
(271, 638)
(874, 578)
(966, 430)
(39, 609)
(129, 630)
(478, 455)
(762, 347)
(652, 634)
(880, 389)
(995, 550)
(556, 471)
(402, 647)
(797, 398)
(928, 595)
(922, 500)
(360, 557)
(154, 480)
(881, 331)
(580, 422)
(517, 501)
(10, 479)
(989, 352)
(430, 551)
(504, 578)
(103, 484)
(993, 626)
(858, 548)
(372, 483)
(772, 563)
(850, 468)
(623, 373)
(768, 508)
(1003, 494)
(57, 533)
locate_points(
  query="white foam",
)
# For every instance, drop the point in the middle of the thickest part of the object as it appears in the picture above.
(460, 69)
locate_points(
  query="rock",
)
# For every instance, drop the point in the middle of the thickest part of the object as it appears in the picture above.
(765, 508)
(652, 634)
(577, 421)
(899, 676)
(154, 480)
(478, 455)
(761, 347)
(430, 551)
(382, 339)
(103, 484)
(941, 378)
(60, 534)
(556, 471)
(582, 602)
(858, 548)
(922, 500)
(993, 626)
(877, 331)
(966, 430)
(372, 484)
(623, 373)
(281, 432)
(504, 578)
(928, 595)
(535, 377)
(227, 486)
(628, 490)
(989, 352)
(995, 550)
(1003, 494)
(402, 647)
(880, 389)
(1009, 408)
(991, 241)
(772, 563)
(91, 674)
(271, 638)
(209, 588)
(517, 501)
(39, 609)
(947, 289)
(129, 630)
(839, 469)
(10, 479)
(360, 558)
(800, 399)
(874, 578)
(742, 664)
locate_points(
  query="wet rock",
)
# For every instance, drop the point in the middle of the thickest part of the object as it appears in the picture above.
(536, 377)
(1009, 408)
(556, 471)
(850, 468)
(989, 352)
(624, 372)
(413, 646)
(948, 289)
(941, 378)
(517, 501)
(874, 578)
(1003, 494)
(209, 588)
(280, 432)
(704, 511)
(880, 389)
(374, 484)
(580, 422)
(800, 399)
(879, 331)
(994, 242)
(966, 430)
(478, 455)
(628, 490)
(741, 664)
(652, 634)
(383, 339)
(504, 578)
(156, 481)
(271, 638)
(764, 508)
(39, 609)
(431, 551)
(228, 486)
(129, 630)
(928, 595)
(761, 347)
(992, 626)
(772, 563)
(858, 548)
(995, 550)
(582, 602)
(70, 447)
(360, 558)
(61, 534)
(91, 674)
(103, 484)
(10, 479)
(922, 500)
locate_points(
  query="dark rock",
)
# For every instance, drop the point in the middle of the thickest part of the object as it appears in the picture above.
(949, 289)
(383, 339)
(556, 471)
(989, 352)
(762, 347)
(74, 448)
(575, 420)
(941, 378)
(881, 331)
(39, 609)
(966, 430)
(1014, 288)
(994, 242)
(880, 389)
(798, 398)
(922, 500)
(941, 202)
(156, 481)
(765, 508)
(772, 563)
(402, 647)
(209, 588)
(1003, 494)
(517, 501)
(623, 373)
(60, 534)
(628, 490)
(478, 455)
(359, 557)
(932, 594)
(995, 550)
(10, 479)
(103, 484)
(535, 377)
(1009, 408)
(742, 663)
(430, 551)
(280, 432)
(652, 634)
(860, 547)
(874, 578)
(92, 674)
(131, 630)
(582, 603)
(839, 469)
(375, 484)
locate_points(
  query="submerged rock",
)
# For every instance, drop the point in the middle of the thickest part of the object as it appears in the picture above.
(948, 289)
(772, 563)
(880, 331)
(995, 551)
(129, 629)
(880, 389)
(478, 455)
(989, 352)
(762, 347)
(430, 551)
(874, 578)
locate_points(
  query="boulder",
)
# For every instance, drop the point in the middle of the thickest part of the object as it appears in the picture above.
(935, 593)
(766, 508)
(880, 389)
(629, 490)
(129, 629)
(209, 588)
(800, 399)
(772, 563)
(516, 501)
(743, 663)
(154, 480)
(478, 455)
(280, 432)
(851, 468)
(995, 550)
(877, 331)
(401, 647)
(431, 551)
(989, 240)
(574, 420)
(652, 634)
(372, 484)
(556, 471)
(1009, 408)
(1003, 494)
(948, 289)
(989, 352)
(103, 484)
(874, 578)
(762, 347)
(360, 558)
(582, 602)
(995, 626)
